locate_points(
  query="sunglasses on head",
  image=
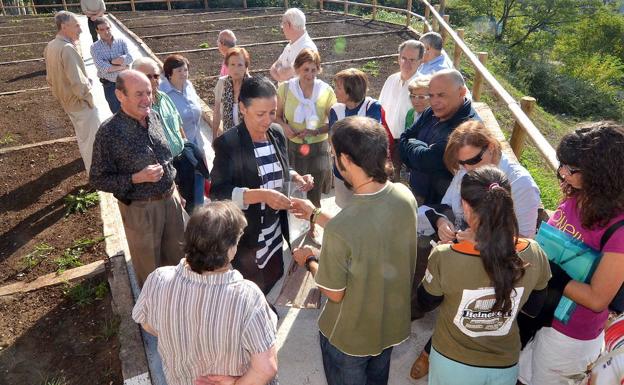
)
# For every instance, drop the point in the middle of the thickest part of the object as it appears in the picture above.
(474, 160)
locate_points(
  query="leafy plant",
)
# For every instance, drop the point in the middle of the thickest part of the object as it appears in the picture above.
(60, 380)
(85, 293)
(204, 45)
(36, 256)
(80, 202)
(7, 139)
(275, 31)
(110, 328)
(371, 67)
(71, 256)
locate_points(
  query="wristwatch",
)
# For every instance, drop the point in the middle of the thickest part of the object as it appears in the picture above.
(310, 258)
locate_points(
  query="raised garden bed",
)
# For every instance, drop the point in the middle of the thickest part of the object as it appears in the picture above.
(10, 38)
(65, 334)
(15, 24)
(22, 76)
(41, 118)
(197, 16)
(249, 33)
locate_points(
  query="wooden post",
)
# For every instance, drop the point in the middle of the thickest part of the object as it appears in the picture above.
(408, 18)
(168, 5)
(2, 8)
(245, 4)
(442, 7)
(458, 52)
(518, 135)
(478, 80)
(132, 6)
(374, 9)
(321, 5)
(434, 21)
(205, 4)
(32, 5)
(64, 4)
(346, 7)
(443, 32)
(427, 12)
(285, 4)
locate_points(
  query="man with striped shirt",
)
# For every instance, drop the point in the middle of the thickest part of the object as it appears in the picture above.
(111, 56)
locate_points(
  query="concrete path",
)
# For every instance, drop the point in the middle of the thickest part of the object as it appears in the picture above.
(298, 347)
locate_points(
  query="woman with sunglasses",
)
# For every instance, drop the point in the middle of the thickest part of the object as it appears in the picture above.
(591, 173)
(481, 284)
(472, 145)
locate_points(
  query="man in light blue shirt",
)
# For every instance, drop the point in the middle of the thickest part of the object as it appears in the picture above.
(434, 59)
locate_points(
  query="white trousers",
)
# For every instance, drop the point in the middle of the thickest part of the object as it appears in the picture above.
(552, 356)
(86, 123)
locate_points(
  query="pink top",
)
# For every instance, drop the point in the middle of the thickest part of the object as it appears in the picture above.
(224, 70)
(585, 324)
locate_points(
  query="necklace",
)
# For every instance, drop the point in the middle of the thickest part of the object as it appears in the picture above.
(355, 189)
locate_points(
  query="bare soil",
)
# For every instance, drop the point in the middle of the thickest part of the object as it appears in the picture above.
(12, 38)
(45, 336)
(22, 76)
(208, 63)
(40, 115)
(196, 16)
(249, 33)
(34, 185)
(24, 52)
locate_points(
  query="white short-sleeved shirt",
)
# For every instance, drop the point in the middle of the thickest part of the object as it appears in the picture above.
(206, 324)
(288, 56)
(394, 99)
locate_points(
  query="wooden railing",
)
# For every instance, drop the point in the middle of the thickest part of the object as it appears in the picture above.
(523, 127)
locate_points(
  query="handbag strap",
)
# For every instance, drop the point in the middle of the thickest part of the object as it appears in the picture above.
(610, 231)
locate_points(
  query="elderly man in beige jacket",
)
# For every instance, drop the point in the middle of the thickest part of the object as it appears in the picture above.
(68, 80)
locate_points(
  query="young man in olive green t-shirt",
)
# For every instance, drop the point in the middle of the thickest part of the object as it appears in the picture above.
(366, 262)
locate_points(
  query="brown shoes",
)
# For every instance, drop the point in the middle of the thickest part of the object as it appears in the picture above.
(420, 368)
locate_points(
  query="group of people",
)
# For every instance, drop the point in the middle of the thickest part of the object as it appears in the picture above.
(204, 279)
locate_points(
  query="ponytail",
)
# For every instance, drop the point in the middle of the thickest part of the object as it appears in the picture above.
(488, 193)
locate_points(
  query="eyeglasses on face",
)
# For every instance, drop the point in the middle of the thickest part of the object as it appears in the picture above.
(153, 76)
(408, 60)
(419, 97)
(474, 160)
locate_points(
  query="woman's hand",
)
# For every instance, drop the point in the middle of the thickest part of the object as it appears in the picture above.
(305, 183)
(466, 235)
(446, 230)
(301, 208)
(276, 200)
(301, 254)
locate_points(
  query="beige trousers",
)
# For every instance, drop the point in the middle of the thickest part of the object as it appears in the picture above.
(86, 123)
(155, 232)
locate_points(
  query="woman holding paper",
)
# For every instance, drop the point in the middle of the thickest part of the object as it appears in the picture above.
(303, 109)
(591, 172)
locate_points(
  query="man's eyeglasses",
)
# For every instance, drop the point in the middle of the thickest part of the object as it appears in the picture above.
(419, 97)
(153, 76)
(564, 170)
(411, 61)
(474, 160)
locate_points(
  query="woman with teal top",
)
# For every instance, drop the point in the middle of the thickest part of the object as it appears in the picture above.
(303, 109)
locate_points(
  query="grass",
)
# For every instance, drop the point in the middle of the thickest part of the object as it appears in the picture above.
(371, 67)
(35, 257)
(7, 139)
(80, 202)
(204, 45)
(71, 255)
(110, 328)
(83, 294)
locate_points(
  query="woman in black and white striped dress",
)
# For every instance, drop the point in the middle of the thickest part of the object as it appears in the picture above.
(250, 168)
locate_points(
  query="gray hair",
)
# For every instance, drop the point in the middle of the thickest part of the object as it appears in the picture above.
(433, 40)
(63, 17)
(419, 82)
(145, 61)
(453, 75)
(296, 18)
(227, 38)
(413, 44)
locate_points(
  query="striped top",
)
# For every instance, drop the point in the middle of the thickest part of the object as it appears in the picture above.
(103, 53)
(206, 323)
(272, 175)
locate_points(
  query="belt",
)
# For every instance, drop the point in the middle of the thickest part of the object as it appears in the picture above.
(105, 81)
(158, 197)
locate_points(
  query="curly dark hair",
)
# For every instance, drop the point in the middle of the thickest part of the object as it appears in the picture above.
(488, 192)
(597, 149)
(210, 233)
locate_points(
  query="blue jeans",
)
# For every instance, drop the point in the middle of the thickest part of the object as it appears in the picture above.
(111, 98)
(343, 369)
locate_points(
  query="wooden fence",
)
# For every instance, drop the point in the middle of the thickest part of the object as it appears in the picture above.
(433, 19)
